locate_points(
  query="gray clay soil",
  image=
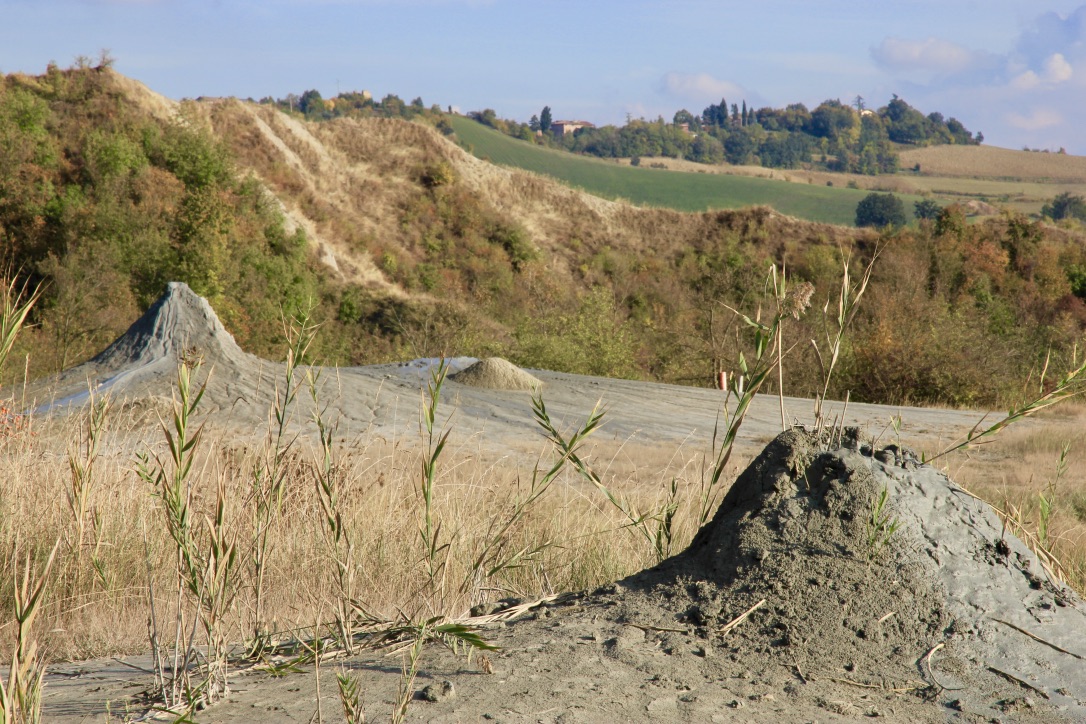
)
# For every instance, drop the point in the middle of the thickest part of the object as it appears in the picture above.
(949, 620)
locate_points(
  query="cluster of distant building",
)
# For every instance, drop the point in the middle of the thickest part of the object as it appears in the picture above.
(561, 128)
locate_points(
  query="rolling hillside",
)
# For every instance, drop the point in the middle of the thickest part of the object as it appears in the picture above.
(651, 187)
(411, 247)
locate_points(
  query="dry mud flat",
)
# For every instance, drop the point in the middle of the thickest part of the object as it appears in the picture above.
(788, 606)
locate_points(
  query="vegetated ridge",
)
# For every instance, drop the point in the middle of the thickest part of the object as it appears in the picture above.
(413, 248)
(655, 188)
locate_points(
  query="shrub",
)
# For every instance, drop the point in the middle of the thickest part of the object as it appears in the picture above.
(880, 210)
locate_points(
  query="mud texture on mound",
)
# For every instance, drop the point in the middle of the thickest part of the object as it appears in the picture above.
(180, 324)
(140, 367)
(495, 373)
(795, 531)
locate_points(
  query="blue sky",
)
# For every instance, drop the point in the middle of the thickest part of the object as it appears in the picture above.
(1013, 69)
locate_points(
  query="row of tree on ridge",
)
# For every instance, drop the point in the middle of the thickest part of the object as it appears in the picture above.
(836, 136)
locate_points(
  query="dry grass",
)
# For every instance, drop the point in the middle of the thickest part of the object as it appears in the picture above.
(583, 540)
(996, 163)
(95, 612)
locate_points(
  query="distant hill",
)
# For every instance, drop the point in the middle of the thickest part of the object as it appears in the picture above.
(411, 247)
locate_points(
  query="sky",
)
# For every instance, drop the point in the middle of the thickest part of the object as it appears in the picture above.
(1012, 69)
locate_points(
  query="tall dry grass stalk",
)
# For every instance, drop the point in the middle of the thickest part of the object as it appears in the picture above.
(518, 533)
(20, 698)
(81, 461)
(16, 301)
(848, 304)
(205, 558)
(269, 475)
(742, 385)
(339, 542)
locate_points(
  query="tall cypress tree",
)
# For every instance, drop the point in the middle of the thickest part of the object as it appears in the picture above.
(545, 119)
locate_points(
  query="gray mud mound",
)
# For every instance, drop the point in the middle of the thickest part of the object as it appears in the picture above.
(495, 373)
(949, 620)
(141, 365)
(180, 324)
(940, 610)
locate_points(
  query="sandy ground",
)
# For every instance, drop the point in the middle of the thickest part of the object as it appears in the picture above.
(951, 620)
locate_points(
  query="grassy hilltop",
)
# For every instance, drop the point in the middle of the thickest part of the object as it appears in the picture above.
(645, 186)
(1020, 180)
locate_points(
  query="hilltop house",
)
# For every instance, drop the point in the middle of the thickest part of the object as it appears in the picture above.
(561, 128)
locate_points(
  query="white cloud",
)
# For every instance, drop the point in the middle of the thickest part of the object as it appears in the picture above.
(698, 87)
(1037, 120)
(1054, 33)
(1025, 81)
(932, 54)
(1057, 69)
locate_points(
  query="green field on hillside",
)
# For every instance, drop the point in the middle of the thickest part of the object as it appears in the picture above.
(669, 189)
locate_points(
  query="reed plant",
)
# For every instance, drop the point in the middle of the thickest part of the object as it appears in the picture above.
(81, 461)
(835, 327)
(269, 474)
(339, 543)
(741, 386)
(205, 558)
(435, 441)
(21, 697)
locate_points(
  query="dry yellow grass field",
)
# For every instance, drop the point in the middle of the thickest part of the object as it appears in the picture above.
(1020, 180)
(996, 163)
(99, 600)
(1017, 468)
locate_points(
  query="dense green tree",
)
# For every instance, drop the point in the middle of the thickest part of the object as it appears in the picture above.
(716, 115)
(545, 119)
(706, 149)
(785, 150)
(1065, 206)
(685, 116)
(739, 146)
(880, 210)
(311, 103)
(831, 119)
(533, 123)
(927, 209)
(393, 106)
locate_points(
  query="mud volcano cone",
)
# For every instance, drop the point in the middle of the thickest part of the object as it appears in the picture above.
(180, 323)
(142, 363)
(868, 567)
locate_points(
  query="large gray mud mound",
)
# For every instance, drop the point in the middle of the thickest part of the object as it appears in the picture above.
(495, 373)
(143, 362)
(927, 628)
(939, 609)
(181, 323)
